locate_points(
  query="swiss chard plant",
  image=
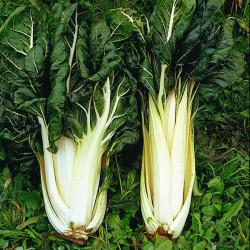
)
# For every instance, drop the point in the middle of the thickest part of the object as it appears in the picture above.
(67, 74)
(185, 52)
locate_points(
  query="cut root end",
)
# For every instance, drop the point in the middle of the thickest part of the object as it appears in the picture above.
(162, 233)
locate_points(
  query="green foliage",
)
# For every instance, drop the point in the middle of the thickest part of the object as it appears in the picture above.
(22, 212)
(219, 217)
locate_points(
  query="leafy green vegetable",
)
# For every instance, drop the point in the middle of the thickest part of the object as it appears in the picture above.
(80, 90)
(182, 50)
(220, 126)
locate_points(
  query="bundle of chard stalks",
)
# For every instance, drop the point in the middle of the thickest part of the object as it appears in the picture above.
(78, 88)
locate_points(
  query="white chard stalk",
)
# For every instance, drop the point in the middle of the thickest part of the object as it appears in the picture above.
(70, 178)
(168, 162)
(178, 155)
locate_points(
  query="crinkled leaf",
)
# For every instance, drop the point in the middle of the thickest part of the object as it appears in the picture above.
(61, 59)
(223, 75)
(205, 52)
(110, 61)
(120, 27)
(170, 20)
(16, 12)
(97, 58)
(26, 99)
(99, 37)
(126, 123)
(83, 56)
(146, 77)
(23, 55)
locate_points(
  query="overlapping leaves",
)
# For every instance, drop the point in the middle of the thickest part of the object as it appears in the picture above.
(23, 53)
(48, 76)
(206, 53)
(197, 47)
(83, 57)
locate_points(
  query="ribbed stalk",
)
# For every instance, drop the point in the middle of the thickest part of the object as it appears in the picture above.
(63, 161)
(161, 166)
(87, 167)
(168, 120)
(57, 203)
(86, 173)
(168, 156)
(178, 155)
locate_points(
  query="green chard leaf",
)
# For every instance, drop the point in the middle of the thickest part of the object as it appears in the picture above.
(121, 29)
(23, 54)
(146, 76)
(170, 20)
(62, 55)
(105, 57)
(205, 52)
(83, 56)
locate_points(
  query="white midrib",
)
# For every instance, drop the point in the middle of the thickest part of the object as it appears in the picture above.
(72, 51)
(57, 203)
(87, 167)
(86, 172)
(31, 33)
(161, 164)
(171, 22)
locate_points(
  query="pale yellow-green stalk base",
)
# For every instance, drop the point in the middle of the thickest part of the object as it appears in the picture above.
(165, 205)
(54, 216)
